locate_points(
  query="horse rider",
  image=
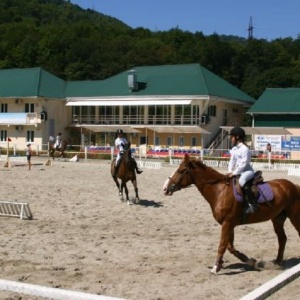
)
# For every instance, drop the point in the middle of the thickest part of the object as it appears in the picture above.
(239, 164)
(122, 145)
(58, 141)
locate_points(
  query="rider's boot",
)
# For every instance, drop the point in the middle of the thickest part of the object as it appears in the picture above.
(116, 168)
(250, 199)
(138, 171)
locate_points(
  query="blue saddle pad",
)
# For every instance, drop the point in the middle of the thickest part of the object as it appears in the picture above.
(265, 193)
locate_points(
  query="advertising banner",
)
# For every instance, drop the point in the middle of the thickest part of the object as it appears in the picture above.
(290, 143)
(261, 142)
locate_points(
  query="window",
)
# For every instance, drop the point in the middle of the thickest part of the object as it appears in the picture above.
(30, 136)
(109, 115)
(169, 141)
(133, 114)
(181, 141)
(194, 141)
(29, 107)
(4, 107)
(3, 137)
(157, 141)
(159, 114)
(212, 111)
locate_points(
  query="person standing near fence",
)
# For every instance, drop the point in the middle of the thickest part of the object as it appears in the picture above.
(269, 149)
(28, 155)
(269, 154)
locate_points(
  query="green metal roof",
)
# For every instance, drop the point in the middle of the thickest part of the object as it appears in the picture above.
(169, 80)
(83, 88)
(189, 79)
(277, 101)
(30, 82)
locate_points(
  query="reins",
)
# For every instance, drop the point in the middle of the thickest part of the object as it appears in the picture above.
(176, 185)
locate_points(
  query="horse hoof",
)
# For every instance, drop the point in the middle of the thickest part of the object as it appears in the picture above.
(251, 262)
(129, 202)
(214, 270)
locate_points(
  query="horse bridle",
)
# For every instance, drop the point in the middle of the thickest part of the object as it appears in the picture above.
(176, 187)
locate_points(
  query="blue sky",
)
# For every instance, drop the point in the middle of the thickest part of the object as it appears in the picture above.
(271, 19)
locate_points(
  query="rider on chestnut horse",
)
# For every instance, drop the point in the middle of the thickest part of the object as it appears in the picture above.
(239, 165)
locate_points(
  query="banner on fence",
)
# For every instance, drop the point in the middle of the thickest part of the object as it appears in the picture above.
(290, 143)
(261, 141)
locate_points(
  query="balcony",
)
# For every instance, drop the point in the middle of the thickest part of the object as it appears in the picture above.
(136, 120)
(20, 118)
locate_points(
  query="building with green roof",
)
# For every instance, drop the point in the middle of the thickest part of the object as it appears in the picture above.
(173, 105)
(277, 107)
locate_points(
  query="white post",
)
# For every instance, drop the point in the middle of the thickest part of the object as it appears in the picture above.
(170, 156)
(85, 153)
(112, 150)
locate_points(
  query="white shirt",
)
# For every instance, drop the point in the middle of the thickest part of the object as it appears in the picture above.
(240, 159)
(121, 144)
(58, 139)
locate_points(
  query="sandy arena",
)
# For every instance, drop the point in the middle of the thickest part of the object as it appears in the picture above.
(83, 238)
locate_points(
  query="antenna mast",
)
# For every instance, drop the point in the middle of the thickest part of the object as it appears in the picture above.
(250, 30)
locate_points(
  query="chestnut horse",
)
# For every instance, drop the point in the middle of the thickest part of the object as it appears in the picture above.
(126, 172)
(217, 189)
(61, 150)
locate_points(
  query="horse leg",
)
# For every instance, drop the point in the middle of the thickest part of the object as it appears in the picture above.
(124, 185)
(226, 234)
(52, 154)
(230, 247)
(278, 223)
(118, 186)
(136, 190)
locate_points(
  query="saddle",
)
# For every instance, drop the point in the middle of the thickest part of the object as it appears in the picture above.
(260, 189)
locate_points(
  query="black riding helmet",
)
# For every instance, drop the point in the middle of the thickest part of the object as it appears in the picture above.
(119, 131)
(238, 132)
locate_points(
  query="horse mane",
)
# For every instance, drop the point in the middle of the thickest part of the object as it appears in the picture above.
(211, 171)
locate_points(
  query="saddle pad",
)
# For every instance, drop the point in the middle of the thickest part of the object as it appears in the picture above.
(265, 193)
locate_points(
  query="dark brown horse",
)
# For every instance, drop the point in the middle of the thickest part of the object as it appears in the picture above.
(61, 149)
(126, 172)
(217, 189)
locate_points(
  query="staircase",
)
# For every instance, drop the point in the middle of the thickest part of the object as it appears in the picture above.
(217, 140)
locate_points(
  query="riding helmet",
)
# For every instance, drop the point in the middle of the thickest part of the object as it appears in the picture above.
(119, 131)
(238, 132)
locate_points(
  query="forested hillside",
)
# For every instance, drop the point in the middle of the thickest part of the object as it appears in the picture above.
(78, 44)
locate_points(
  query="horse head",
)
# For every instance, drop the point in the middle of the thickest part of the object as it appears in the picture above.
(191, 171)
(181, 177)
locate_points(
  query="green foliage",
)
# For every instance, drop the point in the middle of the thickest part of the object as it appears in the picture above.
(78, 44)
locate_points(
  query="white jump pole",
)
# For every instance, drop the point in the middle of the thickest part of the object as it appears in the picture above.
(47, 292)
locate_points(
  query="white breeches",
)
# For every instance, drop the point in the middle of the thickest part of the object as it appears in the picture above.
(247, 175)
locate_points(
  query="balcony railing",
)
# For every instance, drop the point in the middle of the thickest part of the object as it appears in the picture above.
(134, 120)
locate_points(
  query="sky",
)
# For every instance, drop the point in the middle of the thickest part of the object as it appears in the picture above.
(271, 19)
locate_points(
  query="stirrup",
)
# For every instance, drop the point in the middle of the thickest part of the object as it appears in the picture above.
(139, 171)
(251, 209)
